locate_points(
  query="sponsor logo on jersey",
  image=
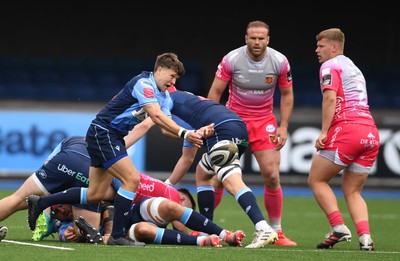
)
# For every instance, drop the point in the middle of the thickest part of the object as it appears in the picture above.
(240, 78)
(148, 92)
(289, 76)
(253, 92)
(270, 128)
(63, 168)
(327, 79)
(145, 83)
(146, 187)
(255, 71)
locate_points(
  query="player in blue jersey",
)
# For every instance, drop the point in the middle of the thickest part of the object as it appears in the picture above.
(66, 167)
(143, 96)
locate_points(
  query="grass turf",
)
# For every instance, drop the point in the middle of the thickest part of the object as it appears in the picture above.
(303, 222)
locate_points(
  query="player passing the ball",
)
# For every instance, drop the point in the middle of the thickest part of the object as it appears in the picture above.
(143, 96)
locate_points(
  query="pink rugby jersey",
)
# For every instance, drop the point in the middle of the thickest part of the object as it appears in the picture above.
(252, 84)
(343, 76)
(149, 186)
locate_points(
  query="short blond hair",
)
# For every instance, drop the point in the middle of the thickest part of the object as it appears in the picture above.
(333, 34)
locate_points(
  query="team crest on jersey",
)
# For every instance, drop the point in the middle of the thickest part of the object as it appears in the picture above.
(148, 92)
(272, 138)
(42, 173)
(269, 79)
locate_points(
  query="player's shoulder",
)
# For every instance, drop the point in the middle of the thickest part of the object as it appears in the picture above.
(333, 64)
(236, 53)
(276, 54)
(144, 79)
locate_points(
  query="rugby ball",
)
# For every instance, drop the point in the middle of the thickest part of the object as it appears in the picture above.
(223, 153)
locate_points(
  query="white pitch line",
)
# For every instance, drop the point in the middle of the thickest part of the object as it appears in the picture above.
(37, 245)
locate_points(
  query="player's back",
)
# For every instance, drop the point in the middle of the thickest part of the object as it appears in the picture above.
(75, 144)
(199, 111)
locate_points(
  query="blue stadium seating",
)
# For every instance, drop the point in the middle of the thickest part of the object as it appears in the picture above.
(99, 79)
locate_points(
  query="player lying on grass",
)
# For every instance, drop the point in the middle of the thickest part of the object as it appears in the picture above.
(149, 218)
(148, 221)
(60, 219)
(45, 224)
(48, 221)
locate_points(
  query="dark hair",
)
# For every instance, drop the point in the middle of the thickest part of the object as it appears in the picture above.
(170, 61)
(186, 192)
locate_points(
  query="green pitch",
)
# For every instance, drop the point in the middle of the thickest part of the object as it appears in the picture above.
(303, 222)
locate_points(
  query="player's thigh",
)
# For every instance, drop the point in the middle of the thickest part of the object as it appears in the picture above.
(216, 183)
(169, 210)
(202, 178)
(268, 159)
(29, 187)
(353, 182)
(322, 169)
(99, 183)
(125, 171)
